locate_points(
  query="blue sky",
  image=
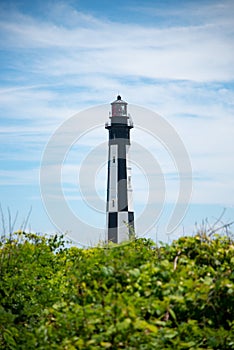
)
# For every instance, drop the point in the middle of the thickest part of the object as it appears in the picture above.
(61, 57)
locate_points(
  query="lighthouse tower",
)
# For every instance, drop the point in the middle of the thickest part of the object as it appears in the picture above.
(120, 215)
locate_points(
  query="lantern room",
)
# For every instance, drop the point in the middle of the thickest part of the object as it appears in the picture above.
(119, 108)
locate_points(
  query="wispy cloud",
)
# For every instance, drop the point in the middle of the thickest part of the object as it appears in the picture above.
(178, 63)
(201, 52)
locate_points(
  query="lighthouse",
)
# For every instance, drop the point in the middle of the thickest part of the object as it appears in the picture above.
(119, 206)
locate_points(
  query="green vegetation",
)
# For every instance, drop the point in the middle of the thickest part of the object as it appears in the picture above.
(130, 296)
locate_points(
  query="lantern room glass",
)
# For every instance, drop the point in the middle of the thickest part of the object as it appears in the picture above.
(119, 110)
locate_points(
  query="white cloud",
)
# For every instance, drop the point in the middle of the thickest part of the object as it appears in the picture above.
(201, 52)
(71, 60)
(19, 177)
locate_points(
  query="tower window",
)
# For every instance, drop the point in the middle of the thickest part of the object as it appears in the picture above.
(113, 159)
(113, 203)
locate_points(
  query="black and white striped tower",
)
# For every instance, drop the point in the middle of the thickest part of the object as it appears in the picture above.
(120, 215)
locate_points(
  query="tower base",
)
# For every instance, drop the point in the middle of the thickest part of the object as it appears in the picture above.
(120, 226)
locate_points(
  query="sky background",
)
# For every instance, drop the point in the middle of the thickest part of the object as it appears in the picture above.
(172, 57)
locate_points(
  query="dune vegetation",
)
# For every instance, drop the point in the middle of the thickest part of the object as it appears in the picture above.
(130, 296)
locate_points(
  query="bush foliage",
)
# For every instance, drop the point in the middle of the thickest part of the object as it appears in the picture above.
(128, 296)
